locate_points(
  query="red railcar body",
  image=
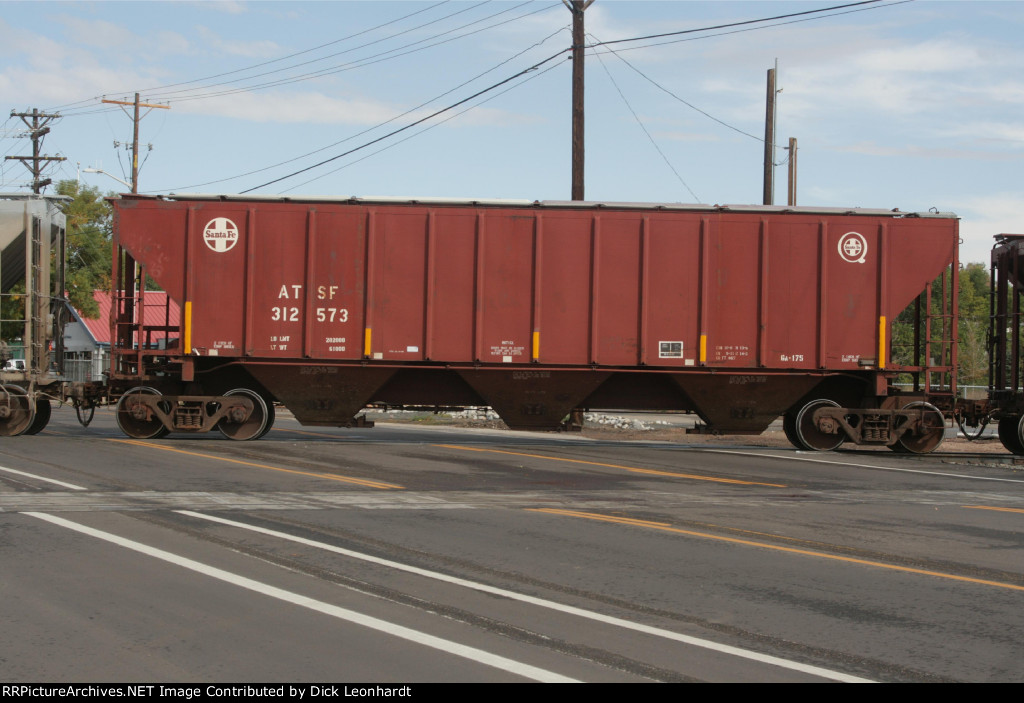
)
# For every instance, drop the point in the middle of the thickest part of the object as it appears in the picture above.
(536, 309)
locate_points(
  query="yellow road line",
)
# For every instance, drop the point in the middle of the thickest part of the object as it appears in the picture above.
(992, 507)
(330, 477)
(763, 545)
(633, 469)
(311, 434)
(766, 534)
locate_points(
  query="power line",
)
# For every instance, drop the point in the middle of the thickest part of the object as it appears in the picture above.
(733, 24)
(696, 198)
(617, 53)
(380, 124)
(684, 102)
(752, 29)
(425, 129)
(40, 127)
(267, 63)
(351, 65)
(346, 51)
(331, 43)
(412, 124)
(366, 61)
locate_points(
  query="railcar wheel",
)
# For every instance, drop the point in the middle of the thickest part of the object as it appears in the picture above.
(42, 416)
(789, 427)
(932, 432)
(17, 411)
(1009, 434)
(135, 419)
(1019, 436)
(252, 427)
(271, 417)
(809, 435)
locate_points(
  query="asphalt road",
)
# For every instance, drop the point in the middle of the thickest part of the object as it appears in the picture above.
(406, 553)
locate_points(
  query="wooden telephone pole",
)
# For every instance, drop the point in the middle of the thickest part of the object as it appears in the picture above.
(792, 172)
(35, 163)
(577, 8)
(769, 141)
(135, 137)
(127, 277)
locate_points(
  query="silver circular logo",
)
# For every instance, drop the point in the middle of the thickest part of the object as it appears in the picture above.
(220, 234)
(853, 247)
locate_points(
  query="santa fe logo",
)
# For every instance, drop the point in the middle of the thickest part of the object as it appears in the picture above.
(220, 234)
(853, 247)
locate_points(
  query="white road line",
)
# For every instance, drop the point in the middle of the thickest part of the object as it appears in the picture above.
(862, 466)
(552, 605)
(41, 478)
(471, 653)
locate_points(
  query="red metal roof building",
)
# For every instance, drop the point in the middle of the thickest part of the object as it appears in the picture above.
(156, 314)
(87, 341)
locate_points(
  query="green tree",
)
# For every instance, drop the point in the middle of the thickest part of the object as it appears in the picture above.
(88, 245)
(972, 358)
(12, 312)
(974, 320)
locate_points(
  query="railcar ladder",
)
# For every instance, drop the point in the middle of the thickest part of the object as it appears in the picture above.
(934, 345)
(135, 342)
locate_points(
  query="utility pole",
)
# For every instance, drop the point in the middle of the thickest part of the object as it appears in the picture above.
(792, 172)
(135, 138)
(769, 141)
(35, 163)
(128, 279)
(577, 8)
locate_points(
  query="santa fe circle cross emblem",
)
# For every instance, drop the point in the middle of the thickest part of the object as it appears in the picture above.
(220, 234)
(853, 247)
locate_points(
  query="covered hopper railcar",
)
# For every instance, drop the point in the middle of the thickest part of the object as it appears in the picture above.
(537, 309)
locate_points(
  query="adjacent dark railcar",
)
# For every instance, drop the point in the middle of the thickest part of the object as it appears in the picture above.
(1006, 357)
(537, 309)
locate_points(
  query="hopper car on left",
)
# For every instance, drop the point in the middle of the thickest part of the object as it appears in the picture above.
(32, 310)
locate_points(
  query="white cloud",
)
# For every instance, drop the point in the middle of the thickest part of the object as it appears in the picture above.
(999, 91)
(172, 43)
(108, 36)
(70, 84)
(90, 32)
(1002, 134)
(292, 107)
(922, 152)
(216, 44)
(832, 73)
(986, 216)
(231, 7)
(319, 108)
(685, 136)
(934, 56)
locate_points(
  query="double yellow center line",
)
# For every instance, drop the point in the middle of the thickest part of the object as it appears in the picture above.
(666, 527)
(632, 469)
(330, 477)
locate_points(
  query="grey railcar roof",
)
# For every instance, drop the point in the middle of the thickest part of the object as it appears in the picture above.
(560, 204)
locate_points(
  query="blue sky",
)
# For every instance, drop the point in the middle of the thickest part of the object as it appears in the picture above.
(909, 105)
